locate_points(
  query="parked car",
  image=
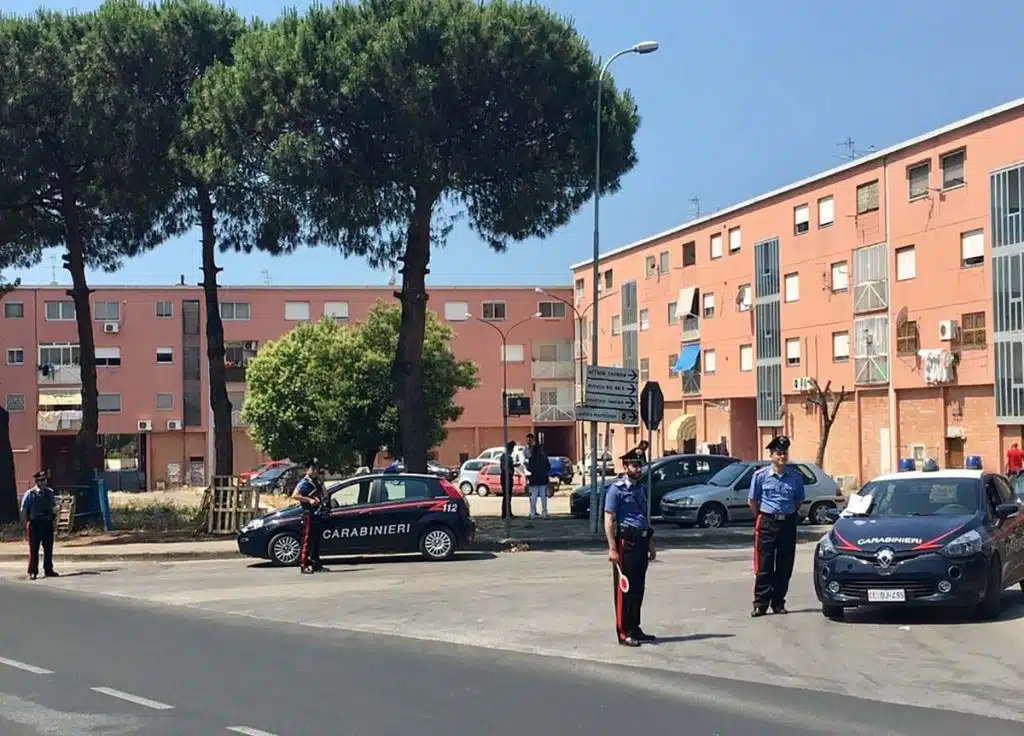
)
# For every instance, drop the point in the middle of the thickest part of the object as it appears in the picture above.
(491, 453)
(561, 468)
(279, 479)
(606, 462)
(433, 468)
(488, 481)
(667, 475)
(468, 474)
(723, 498)
(249, 475)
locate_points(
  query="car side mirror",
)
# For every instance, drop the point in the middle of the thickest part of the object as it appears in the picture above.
(1006, 510)
(832, 515)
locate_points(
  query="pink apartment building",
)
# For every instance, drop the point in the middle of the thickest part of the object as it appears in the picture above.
(155, 416)
(897, 276)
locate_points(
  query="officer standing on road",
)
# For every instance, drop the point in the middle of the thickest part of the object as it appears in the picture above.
(630, 548)
(38, 512)
(310, 494)
(776, 493)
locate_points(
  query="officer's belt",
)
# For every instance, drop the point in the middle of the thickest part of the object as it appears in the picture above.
(777, 517)
(632, 534)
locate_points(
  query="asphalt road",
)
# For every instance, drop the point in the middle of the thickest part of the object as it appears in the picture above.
(77, 664)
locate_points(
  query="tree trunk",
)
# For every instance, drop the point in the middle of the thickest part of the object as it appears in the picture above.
(826, 429)
(407, 370)
(223, 445)
(8, 480)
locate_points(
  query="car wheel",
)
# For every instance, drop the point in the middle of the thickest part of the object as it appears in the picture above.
(712, 516)
(482, 490)
(466, 488)
(438, 543)
(992, 604)
(817, 514)
(832, 613)
(284, 549)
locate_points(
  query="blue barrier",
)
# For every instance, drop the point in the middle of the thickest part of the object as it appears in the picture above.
(99, 486)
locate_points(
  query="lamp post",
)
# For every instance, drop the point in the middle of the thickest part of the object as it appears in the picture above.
(644, 47)
(507, 494)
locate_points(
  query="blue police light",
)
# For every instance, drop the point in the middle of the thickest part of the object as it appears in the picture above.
(973, 462)
(907, 464)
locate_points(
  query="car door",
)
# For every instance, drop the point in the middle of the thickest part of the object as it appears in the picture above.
(349, 504)
(1013, 528)
(666, 476)
(396, 506)
(737, 504)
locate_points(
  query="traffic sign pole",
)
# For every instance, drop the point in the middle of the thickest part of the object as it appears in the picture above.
(650, 452)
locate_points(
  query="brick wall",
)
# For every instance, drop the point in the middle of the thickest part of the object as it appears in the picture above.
(874, 416)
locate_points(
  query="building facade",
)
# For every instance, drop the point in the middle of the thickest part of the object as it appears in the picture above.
(152, 369)
(896, 278)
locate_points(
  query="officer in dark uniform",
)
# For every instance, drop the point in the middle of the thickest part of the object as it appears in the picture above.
(38, 512)
(310, 494)
(630, 548)
(776, 493)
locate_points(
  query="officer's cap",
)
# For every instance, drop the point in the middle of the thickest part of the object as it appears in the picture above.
(631, 458)
(41, 475)
(778, 444)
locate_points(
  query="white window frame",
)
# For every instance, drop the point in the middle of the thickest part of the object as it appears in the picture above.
(746, 358)
(616, 325)
(645, 369)
(735, 239)
(509, 353)
(962, 152)
(792, 351)
(715, 246)
(791, 287)
(161, 303)
(106, 354)
(673, 313)
(650, 267)
(338, 311)
(906, 263)
(63, 314)
(581, 286)
(842, 268)
(664, 262)
(745, 298)
(826, 211)
(494, 304)
(801, 219)
(164, 351)
(707, 305)
(7, 403)
(644, 318)
(553, 305)
(710, 362)
(840, 338)
(972, 248)
(10, 351)
(297, 311)
(14, 304)
(164, 408)
(71, 348)
(99, 401)
(456, 311)
(233, 317)
(106, 311)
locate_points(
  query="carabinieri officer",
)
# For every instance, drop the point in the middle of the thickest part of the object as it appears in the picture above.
(775, 497)
(630, 548)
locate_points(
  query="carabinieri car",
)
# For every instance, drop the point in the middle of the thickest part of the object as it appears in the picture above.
(928, 538)
(371, 514)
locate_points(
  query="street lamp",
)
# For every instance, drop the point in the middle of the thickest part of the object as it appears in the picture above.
(507, 495)
(644, 47)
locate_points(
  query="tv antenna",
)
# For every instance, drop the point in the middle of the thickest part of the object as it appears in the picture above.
(852, 152)
(53, 270)
(265, 273)
(695, 201)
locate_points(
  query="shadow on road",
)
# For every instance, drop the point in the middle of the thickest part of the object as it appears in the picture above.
(410, 559)
(689, 638)
(1013, 610)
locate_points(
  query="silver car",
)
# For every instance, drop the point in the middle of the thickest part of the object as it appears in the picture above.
(468, 474)
(724, 497)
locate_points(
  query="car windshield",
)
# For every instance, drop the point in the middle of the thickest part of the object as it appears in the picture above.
(728, 475)
(274, 472)
(923, 497)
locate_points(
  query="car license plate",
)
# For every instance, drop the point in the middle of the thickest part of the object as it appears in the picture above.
(887, 596)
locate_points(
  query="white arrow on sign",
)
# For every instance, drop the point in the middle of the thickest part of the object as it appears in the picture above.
(610, 387)
(613, 416)
(621, 375)
(602, 401)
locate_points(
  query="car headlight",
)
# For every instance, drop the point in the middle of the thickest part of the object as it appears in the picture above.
(253, 525)
(968, 543)
(825, 548)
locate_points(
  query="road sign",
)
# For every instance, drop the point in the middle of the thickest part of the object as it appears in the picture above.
(652, 405)
(621, 375)
(601, 401)
(614, 416)
(518, 406)
(608, 388)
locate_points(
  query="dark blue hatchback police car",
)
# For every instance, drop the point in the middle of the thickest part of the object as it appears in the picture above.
(939, 538)
(371, 514)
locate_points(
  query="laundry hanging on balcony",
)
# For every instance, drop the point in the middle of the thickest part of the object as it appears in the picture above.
(687, 359)
(937, 365)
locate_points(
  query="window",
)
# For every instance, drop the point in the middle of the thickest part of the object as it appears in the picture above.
(616, 325)
(709, 361)
(109, 403)
(165, 355)
(689, 253)
(645, 369)
(746, 358)
(664, 261)
(673, 312)
(59, 354)
(867, 197)
(672, 360)
(14, 310)
(645, 320)
(735, 239)
(801, 219)
(907, 342)
(744, 299)
(580, 287)
(15, 402)
(15, 356)
(456, 311)
(792, 285)
(906, 263)
(840, 276)
(826, 211)
(650, 267)
(716, 245)
(59, 311)
(972, 330)
(512, 353)
(793, 351)
(402, 489)
(235, 311)
(338, 311)
(840, 346)
(953, 169)
(917, 180)
(972, 248)
(494, 311)
(165, 402)
(296, 311)
(551, 310)
(547, 353)
(164, 310)
(609, 279)
(109, 357)
(106, 311)
(709, 305)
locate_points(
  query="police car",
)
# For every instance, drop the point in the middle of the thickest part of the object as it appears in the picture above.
(927, 538)
(371, 514)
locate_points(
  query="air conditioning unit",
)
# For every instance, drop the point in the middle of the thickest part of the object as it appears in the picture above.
(145, 425)
(174, 424)
(947, 330)
(803, 384)
(111, 328)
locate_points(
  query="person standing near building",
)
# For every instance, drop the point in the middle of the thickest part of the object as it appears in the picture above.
(630, 549)
(1014, 460)
(38, 513)
(309, 493)
(776, 493)
(538, 469)
(640, 452)
(508, 469)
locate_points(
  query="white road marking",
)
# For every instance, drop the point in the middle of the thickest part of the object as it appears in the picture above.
(25, 667)
(154, 704)
(246, 731)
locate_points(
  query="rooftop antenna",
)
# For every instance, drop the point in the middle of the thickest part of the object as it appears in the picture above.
(53, 270)
(852, 152)
(265, 273)
(393, 278)
(695, 201)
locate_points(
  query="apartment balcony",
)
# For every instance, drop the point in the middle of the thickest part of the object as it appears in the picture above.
(557, 369)
(234, 373)
(60, 420)
(60, 375)
(554, 413)
(691, 383)
(690, 328)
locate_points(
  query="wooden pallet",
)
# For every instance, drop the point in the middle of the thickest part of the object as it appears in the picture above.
(229, 505)
(65, 514)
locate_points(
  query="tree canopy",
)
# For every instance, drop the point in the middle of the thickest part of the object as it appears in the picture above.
(321, 390)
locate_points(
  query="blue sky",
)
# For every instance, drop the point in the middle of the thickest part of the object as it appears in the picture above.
(742, 97)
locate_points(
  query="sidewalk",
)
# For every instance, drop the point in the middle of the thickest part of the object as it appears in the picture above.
(557, 533)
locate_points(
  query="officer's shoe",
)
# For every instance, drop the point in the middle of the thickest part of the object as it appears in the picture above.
(320, 568)
(52, 574)
(641, 636)
(629, 641)
(780, 610)
(32, 576)
(758, 611)
(306, 570)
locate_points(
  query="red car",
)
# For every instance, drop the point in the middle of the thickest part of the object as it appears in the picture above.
(488, 481)
(249, 475)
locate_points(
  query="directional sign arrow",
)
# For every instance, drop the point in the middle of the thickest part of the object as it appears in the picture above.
(615, 416)
(606, 401)
(621, 375)
(610, 387)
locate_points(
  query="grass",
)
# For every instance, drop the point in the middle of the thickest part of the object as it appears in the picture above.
(159, 521)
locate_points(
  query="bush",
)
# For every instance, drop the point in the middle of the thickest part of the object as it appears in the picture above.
(155, 517)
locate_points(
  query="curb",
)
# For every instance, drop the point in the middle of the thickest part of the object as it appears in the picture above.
(59, 559)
